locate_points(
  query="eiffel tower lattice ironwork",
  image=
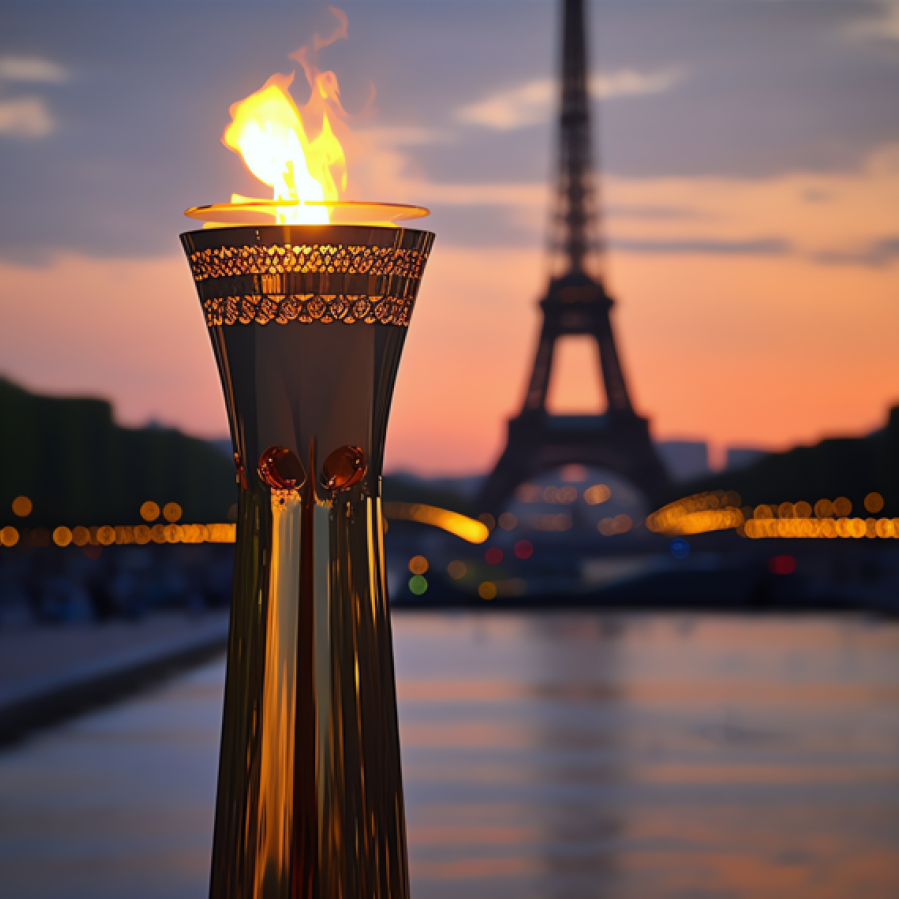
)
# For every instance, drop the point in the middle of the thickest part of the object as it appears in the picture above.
(576, 304)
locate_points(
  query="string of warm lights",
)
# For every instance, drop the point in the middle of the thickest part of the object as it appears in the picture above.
(716, 510)
(120, 535)
(172, 532)
(697, 514)
(822, 528)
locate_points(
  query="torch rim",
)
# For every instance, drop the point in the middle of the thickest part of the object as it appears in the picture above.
(346, 212)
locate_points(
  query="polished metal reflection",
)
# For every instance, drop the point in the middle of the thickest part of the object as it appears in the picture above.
(310, 800)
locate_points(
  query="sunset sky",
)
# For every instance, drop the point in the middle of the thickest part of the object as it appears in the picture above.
(750, 157)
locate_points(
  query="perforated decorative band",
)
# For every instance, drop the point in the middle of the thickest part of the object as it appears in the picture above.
(349, 309)
(230, 262)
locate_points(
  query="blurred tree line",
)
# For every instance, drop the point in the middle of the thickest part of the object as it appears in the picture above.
(78, 467)
(837, 466)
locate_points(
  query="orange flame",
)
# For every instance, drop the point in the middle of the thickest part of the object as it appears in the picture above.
(270, 133)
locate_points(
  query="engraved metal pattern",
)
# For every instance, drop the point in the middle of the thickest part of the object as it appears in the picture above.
(347, 308)
(229, 262)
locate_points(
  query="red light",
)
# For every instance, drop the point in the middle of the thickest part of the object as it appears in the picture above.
(782, 564)
(494, 555)
(524, 549)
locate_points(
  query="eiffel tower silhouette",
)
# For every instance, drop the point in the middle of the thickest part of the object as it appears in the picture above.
(576, 303)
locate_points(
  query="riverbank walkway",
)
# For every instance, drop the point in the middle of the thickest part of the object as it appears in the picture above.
(50, 673)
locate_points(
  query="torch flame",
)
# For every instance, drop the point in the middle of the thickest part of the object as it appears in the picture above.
(268, 131)
(307, 176)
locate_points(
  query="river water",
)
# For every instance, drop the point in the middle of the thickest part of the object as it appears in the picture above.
(545, 755)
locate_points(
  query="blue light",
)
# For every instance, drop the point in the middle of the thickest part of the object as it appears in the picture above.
(680, 549)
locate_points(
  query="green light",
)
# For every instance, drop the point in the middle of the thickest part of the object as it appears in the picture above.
(418, 584)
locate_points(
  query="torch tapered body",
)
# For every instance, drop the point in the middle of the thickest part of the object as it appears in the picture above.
(308, 324)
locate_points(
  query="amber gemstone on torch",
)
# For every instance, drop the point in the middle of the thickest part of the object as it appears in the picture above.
(281, 469)
(343, 468)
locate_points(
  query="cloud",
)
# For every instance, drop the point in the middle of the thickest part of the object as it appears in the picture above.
(628, 83)
(883, 24)
(534, 101)
(32, 69)
(652, 213)
(389, 137)
(764, 246)
(877, 254)
(27, 117)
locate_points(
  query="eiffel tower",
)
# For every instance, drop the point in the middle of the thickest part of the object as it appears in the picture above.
(576, 303)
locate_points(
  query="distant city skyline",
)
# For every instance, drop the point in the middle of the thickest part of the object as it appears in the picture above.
(751, 173)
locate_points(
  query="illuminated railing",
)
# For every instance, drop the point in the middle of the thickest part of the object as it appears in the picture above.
(719, 510)
(173, 532)
(121, 535)
(451, 522)
(822, 528)
(698, 514)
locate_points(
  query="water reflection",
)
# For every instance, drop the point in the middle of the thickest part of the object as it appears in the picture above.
(544, 756)
(634, 756)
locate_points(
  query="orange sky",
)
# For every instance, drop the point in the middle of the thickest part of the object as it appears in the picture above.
(766, 350)
(756, 306)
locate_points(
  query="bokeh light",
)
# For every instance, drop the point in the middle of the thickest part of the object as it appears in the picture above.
(149, 511)
(418, 565)
(524, 549)
(9, 536)
(62, 536)
(487, 520)
(782, 564)
(560, 495)
(508, 521)
(22, 506)
(679, 548)
(620, 524)
(493, 556)
(528, 493)
(417, 584)
(560, 522)
(171, 512)
(712, 511)
(597, 494)
(842, 508)
(487, 590)
(874, 503)
(457, 570)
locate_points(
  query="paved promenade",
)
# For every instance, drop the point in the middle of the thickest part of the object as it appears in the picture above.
(48, 674)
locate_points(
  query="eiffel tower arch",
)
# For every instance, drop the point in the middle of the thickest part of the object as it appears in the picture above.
(576, 303)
